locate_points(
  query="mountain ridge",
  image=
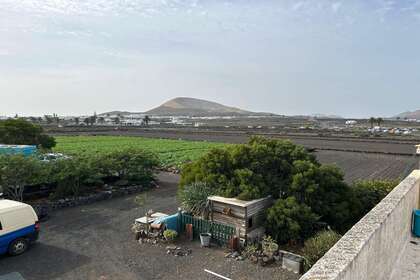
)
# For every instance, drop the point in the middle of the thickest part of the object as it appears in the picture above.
(409, 115)
(195, 107)
(192, 107)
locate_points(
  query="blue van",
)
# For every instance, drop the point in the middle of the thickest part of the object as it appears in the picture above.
(19, 227)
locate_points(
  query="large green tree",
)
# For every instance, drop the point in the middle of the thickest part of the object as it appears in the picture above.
(260, 168)
(290, 220)
(324, 190)
(22, 132)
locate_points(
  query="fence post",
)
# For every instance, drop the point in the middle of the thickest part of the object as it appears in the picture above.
(179, 224)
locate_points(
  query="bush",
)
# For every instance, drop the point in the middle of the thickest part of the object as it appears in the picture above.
(288, 220)
(18, 171)
(323, 189)
(21, 132)
(368, 193)
(133, 165)
(170, 235)
(254, 170)
(316, 247)
(269, 246)
(250, 250)
(74, 176)
(77, 175)
(194, 197)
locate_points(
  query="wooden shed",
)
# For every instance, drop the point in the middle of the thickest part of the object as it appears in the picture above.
(246, 216)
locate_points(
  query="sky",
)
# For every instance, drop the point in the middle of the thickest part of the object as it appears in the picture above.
(356, 58)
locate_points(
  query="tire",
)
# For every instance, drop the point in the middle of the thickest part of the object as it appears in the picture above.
(18, 246)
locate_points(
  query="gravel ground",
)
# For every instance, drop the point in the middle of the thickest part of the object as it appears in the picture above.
(95, 242)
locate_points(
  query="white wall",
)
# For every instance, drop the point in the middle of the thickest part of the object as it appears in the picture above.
(373, 246)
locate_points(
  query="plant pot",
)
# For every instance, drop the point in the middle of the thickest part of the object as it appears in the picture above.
(205, 239)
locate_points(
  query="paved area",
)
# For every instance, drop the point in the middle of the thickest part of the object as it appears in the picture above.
(95, 242)
(408, 267)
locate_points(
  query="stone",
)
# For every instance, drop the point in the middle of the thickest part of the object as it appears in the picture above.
(254, 259)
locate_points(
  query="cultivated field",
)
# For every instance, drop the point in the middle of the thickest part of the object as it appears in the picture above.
(357, 166)
(170, 152)
(374, 159)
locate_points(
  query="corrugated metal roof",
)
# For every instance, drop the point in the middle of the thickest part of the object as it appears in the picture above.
(235, 201)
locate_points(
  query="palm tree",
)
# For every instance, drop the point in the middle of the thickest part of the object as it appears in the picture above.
(48, 119)
(87, 121)
(372, 121)
(146, 120)
(379, 121)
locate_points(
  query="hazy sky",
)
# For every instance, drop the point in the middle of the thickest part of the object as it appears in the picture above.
(352, 58)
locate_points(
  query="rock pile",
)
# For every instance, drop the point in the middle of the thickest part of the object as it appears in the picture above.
(178, 251)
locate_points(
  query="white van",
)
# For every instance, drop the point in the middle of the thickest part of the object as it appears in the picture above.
(19, 227)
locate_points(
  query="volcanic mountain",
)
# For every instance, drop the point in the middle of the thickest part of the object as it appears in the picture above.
(409, 115)
(185, 106)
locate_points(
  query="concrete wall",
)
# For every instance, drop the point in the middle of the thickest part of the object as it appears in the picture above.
(372, 247)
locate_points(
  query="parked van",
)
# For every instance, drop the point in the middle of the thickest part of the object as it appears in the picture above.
(19, 227)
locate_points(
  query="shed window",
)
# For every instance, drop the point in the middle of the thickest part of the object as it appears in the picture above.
(250, 222)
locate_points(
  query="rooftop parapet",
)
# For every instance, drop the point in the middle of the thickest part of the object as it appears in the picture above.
(373, 246)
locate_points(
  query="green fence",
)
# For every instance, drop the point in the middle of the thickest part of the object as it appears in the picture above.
(219, 233)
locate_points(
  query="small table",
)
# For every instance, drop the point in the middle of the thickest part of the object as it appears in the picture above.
(151, 219)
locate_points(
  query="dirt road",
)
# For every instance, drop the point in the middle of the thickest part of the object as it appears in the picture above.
(94, 242)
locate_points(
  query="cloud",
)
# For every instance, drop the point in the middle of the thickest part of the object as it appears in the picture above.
(297, 6)
(5, 52)
(335, 6)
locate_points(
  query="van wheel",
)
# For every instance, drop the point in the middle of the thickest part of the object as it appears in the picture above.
(18, 246)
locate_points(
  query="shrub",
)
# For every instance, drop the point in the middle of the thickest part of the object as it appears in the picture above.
(18, 171)
(289, 220)
(370, 192)
(133, 165)
(22, 132)
(194, 197)
(170, 235)
(316, 247)
(254, 170)
(250, 250)
(74, 176)
(269, 246)
(323, 189)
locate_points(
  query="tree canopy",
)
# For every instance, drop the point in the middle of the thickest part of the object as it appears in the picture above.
(308, 195)
(254, 170)
(22, 132)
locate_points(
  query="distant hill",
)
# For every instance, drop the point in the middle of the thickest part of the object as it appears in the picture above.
(409, 115)
(185, 106)
(115, 113)
(324, 116)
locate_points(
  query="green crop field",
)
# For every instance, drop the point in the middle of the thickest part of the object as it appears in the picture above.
(170, 152)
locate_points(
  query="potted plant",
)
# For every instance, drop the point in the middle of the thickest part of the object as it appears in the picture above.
(170, 235)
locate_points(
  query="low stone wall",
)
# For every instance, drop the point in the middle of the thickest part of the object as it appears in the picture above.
(373, 246)
(42, 209)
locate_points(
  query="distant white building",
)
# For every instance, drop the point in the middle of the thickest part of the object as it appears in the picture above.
(351, 122)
